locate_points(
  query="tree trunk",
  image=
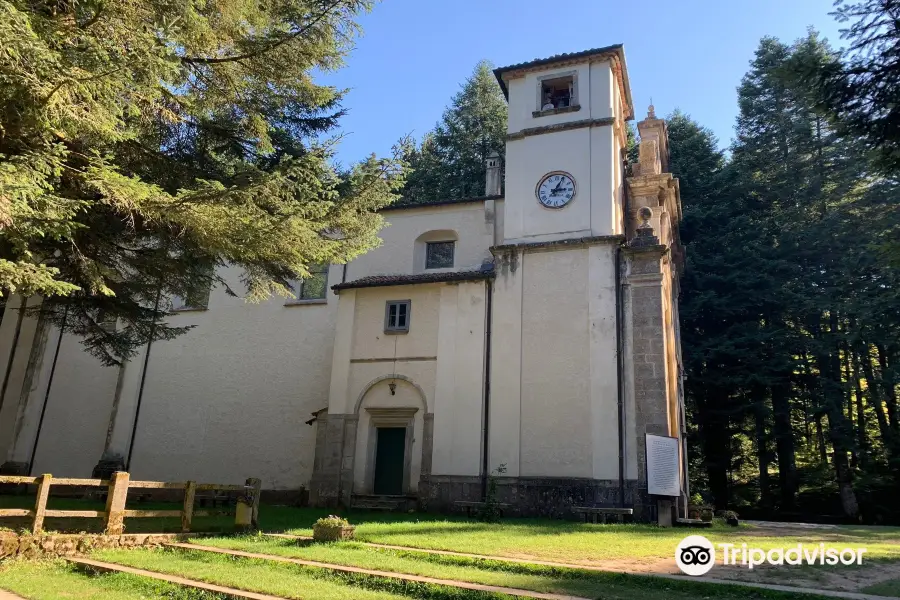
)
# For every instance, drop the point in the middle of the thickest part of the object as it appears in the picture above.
(838, 435)
(890, 394)
(874, 388)
(784, 445)
(820, 441)
(716, 440)
(862, 440)
(762, 451)
(846, 377)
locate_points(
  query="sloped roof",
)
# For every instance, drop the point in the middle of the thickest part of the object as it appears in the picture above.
(615, 49)
(486, 272)
(402, 205)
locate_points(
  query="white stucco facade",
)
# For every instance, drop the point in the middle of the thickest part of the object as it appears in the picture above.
(532, 350)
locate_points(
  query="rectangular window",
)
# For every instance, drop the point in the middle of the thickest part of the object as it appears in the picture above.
(313, 287)
(439, 255)
(558, 93)
(396, 316)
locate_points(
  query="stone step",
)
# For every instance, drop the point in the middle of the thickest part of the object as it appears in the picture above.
(385, 503)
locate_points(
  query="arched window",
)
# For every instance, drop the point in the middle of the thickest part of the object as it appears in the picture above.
(435, 250)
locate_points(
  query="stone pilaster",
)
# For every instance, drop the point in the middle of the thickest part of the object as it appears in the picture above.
(332, 479)
(646, 351)
(652, 267)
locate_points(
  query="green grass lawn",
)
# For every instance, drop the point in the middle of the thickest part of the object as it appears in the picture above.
(52, 580)
(295, 581)
(277, 579)
(573, 542)
(590, 584)
(611, 546)
(562, 541)
(885, 588)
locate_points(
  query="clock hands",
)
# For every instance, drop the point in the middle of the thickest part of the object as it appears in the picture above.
(558, 185)
(556, 190)
(558, 195)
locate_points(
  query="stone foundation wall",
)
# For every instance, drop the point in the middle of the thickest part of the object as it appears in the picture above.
(535, 496)
(56, 545)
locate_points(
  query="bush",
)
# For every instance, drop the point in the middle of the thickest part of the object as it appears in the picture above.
(332, 529)
(492, 511)
(332, 521)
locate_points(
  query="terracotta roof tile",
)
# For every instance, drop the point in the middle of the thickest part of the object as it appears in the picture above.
(616, 49)
(402, 205)
(485, 272)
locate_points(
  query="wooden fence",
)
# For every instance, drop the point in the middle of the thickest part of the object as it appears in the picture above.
(118, 485)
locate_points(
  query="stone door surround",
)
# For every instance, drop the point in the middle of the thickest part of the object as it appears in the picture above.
(390, 417)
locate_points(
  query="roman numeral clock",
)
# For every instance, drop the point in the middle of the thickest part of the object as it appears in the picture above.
(555, 189)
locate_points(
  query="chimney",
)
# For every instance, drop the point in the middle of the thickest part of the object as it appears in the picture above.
(492, 174)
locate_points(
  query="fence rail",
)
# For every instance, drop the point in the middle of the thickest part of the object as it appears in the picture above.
(116, 513)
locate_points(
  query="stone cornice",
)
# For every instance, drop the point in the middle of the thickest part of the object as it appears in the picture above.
(559, 244)
(644, 279)
(560, 127)
(659, 249)
(648, 183)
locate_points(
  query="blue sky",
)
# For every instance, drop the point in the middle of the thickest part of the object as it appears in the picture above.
(689, 54)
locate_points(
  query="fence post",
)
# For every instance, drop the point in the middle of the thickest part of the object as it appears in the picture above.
(115, 503)
(187, 512)
(40, 503)
(256, 484)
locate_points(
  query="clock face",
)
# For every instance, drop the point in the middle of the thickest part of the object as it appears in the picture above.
(556, 189)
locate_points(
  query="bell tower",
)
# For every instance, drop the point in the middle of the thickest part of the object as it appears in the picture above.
(565, 136)
(584, 355)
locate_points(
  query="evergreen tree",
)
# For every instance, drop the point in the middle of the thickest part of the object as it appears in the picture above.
(698, 163)
(859, 89)
(450, 161)
(143, 144)
(789, 318)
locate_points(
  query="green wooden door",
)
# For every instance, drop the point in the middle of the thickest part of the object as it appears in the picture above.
(390, 449)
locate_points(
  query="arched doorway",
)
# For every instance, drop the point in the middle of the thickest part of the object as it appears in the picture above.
(390, 437)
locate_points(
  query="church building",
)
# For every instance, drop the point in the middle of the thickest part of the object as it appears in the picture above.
(529, 336)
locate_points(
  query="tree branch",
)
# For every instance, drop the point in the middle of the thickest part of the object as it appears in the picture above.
(211, 60)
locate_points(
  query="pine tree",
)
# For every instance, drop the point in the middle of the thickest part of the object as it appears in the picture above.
(450, 162)
(789, 316)
(859, 89)
(144, 144)
(698, 163)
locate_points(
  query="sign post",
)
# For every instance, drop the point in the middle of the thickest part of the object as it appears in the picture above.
(663, 479)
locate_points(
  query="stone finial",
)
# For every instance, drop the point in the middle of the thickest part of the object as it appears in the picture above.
(651, 111)
(644, 235)
(645, 213)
